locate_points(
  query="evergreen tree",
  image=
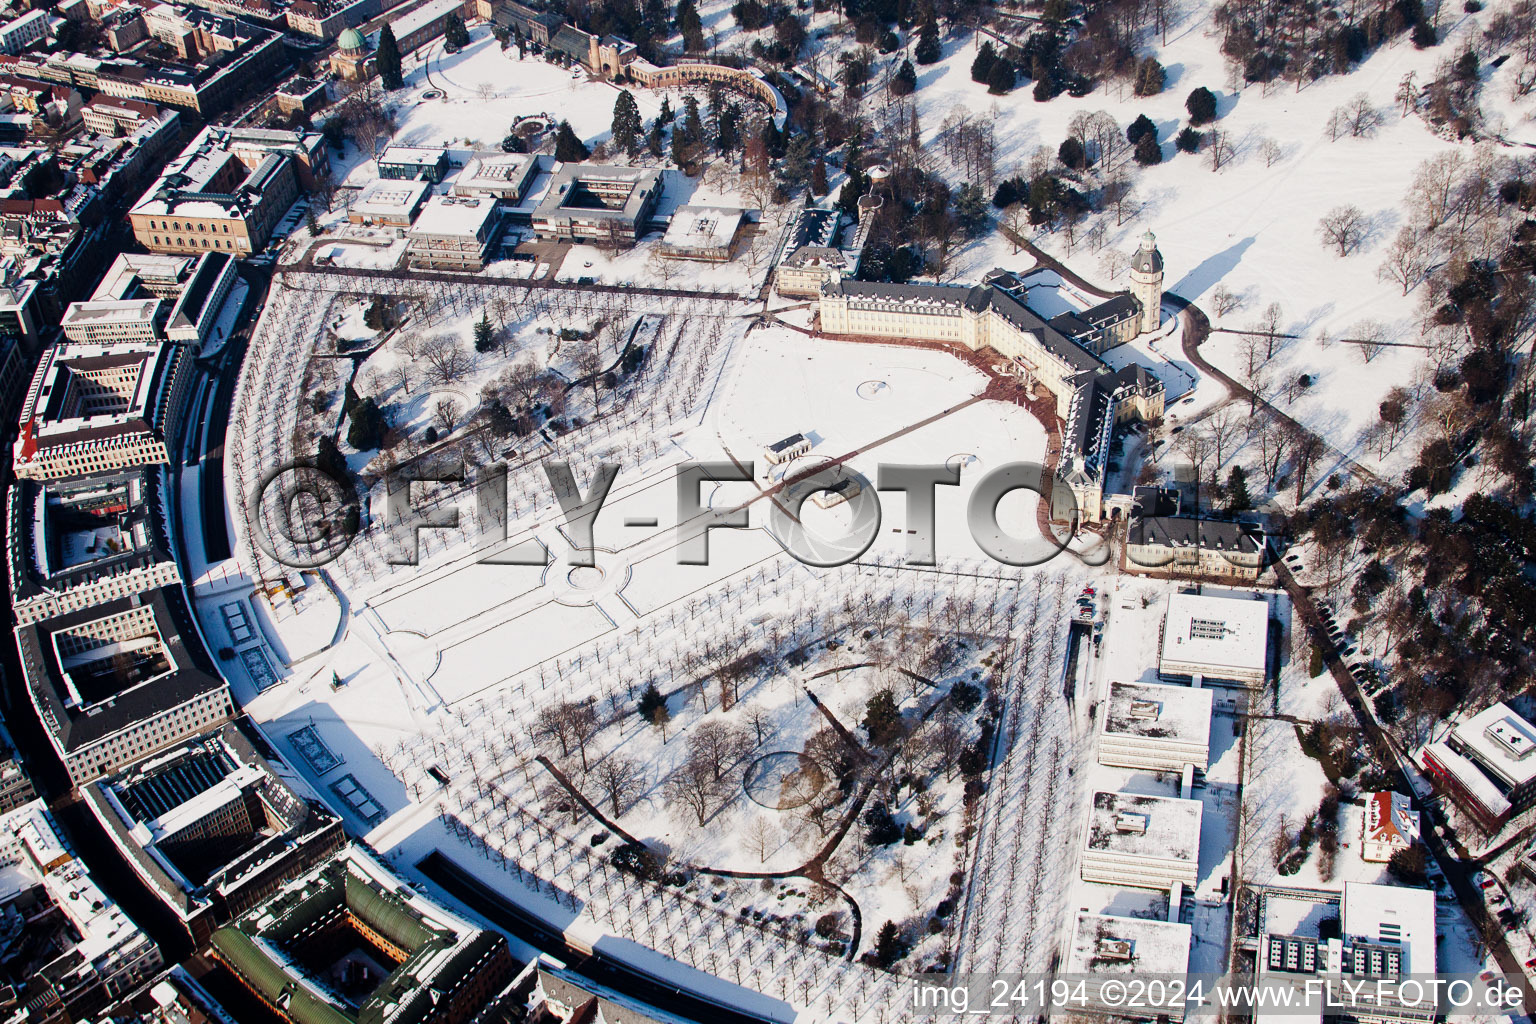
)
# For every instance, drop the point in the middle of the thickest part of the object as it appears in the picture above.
(882, 718)
(655, 140)
(1071, 154)
(568, 147)
(981, 67)
(1140, 128)
(693, 124)
(1201, 105)
(627, 123)
(928, 50)
(330, 461)
(664, 116)
(1000, 78)
(691, 27)
(889, 947)
(904, 83)
(819, 185)
(366, 431)
(848, 195)
(1188, 141)
(485, 334)
(971, 209)
(1149, 77)
(653, 708)
(455, 35)
(1148, 152)
(386, 58)
(1237, 490)
(728, 129)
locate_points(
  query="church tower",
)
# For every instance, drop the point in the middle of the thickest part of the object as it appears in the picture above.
(1147, 282)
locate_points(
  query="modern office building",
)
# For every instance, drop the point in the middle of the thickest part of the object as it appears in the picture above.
(1156, 728)
(1146, 842)
(212, 827)
(117, 682)
(91, 407)
(349, 943)
(1220, 637)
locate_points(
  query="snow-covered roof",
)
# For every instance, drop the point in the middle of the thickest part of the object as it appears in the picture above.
(1394, 915)
(104, 311)
(413, 156)
(702, 227)
(1470, 777)
(1157, 711)
(1390, 818)
(504, 175)
(457, 216)
(1225, 632)
(392, 197)
(1502, 742)
(1160, 827)
(1102, 944)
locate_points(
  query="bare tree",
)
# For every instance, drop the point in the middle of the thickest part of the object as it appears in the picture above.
(1221, 426)
(1407, 259)
(1343, 227)
(1269, 326)
(446, 414)
(1407, 95)
(1369, 334)
(619, 778)
(1271, 151)
(446, 359)
(718, 746)
(1118, 192)
(1112, 264)
(1220, 148)
(1363, 116)
(1434, 185)
(762, 838)
(693, 784)
(1224, 300)
(1306, 449)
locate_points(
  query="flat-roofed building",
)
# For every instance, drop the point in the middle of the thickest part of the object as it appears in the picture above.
(454, 233)
(414, 163)
(702, 233)
(1145, 842)
(1155, 727)
(120, 681)
(1487, 763)
(93, 408)
(389, 202)
(1473, 791)
(1220, 638)
(84, 541)
(1503, 745)
(598, 204)
(1113, 949)
(503, 176)
(212, 827)
(113, 320)
(193, 289)
(1380, 934)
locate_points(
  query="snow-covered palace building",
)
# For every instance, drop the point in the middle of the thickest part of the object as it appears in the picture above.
(1064, 353)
